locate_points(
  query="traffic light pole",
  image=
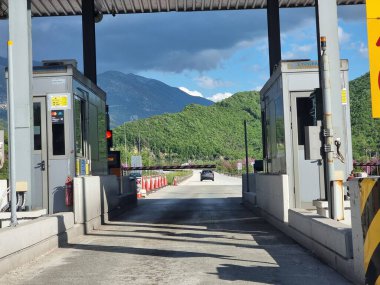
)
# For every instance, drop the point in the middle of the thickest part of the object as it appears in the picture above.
(246, 153)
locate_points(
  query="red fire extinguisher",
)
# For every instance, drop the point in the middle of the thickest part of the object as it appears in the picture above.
(69, 195)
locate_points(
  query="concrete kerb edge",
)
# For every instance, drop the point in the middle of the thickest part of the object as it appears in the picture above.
(335, 261)
(182, 179)
(65, 229)
(62, 239)
(34, 251)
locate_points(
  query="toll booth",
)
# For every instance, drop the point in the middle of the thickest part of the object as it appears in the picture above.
(69, 126)
(292, 116)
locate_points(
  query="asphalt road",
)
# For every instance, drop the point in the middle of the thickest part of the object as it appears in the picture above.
(195, 233)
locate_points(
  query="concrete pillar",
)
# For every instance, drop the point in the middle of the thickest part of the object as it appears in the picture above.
(89, 42)
(20, 102)
(327, 25)
(274, 37)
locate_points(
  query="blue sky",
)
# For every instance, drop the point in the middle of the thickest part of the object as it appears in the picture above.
(210, 54)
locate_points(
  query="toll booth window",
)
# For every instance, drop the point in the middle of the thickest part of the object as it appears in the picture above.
(280, 127)
(304, 119)
(78, 122)
(58, 131)
(37, 125)
(267, 133)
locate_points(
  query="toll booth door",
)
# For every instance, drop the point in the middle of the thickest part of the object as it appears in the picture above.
(39, 193)
(307, 173)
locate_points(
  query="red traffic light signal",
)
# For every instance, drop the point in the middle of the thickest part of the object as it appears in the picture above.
(109, 139)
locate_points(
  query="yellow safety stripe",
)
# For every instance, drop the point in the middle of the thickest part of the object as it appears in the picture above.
(365, 189)
(372, 240)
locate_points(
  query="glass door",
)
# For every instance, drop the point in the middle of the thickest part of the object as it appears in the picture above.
(39, 195)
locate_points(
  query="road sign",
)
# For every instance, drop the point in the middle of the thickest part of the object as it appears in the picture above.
(136, 161)
(373, 9)
(373, 29)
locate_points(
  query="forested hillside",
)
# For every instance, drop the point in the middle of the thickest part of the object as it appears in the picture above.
(196, 133)
(365, 130)
(209, 133)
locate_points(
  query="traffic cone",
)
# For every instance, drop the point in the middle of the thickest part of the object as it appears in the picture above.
(165, 181)
(151, 183)
(175, 181)
(143, 184)
(160, 182)
(147, 185)
(139, 195)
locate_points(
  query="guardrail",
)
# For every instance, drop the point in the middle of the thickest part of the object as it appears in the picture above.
(370, 168)
(171, 167)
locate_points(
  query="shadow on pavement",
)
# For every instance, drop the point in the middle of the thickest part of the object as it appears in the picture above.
(216, 221)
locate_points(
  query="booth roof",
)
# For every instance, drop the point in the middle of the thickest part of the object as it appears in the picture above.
(44, 8)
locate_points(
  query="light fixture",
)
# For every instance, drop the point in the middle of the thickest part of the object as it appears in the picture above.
(98, 16)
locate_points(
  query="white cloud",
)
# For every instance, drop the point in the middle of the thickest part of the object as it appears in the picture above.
(220, 96)
(211, 83)
(363, 49)
(298, 51)
(343, 36)
(288, 55)
(258, 88)
(305, 48)
(192, 93)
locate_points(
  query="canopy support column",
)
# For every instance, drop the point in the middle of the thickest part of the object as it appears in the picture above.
(89, 41)
(274, 37)
(20, 101)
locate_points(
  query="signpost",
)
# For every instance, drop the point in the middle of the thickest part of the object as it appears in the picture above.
(373, 29)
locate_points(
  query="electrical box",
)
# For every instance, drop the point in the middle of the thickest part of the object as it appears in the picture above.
(313, 143)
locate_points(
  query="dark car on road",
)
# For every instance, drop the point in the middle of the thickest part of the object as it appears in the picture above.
(207, 175)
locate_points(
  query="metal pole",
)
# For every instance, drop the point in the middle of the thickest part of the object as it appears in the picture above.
(327, 26)
(334, 188)
(139, 144)
(125, 144)
(12, 151)
(246, 153)
(327, 117)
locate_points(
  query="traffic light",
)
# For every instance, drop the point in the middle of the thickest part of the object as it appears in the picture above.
(109, 139)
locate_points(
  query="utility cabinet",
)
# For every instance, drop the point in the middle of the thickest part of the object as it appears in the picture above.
(292, 117)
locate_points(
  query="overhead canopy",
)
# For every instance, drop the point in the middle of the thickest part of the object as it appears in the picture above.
(43, 8)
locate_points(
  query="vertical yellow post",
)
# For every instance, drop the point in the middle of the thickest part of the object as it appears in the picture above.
(370, 216)
(373, 28)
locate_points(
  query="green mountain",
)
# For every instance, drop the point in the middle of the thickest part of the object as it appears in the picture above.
(365, 129)
(198, 132)
(132, 97)
(208, 133)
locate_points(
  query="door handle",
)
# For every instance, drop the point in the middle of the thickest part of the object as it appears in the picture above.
(41, 165)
